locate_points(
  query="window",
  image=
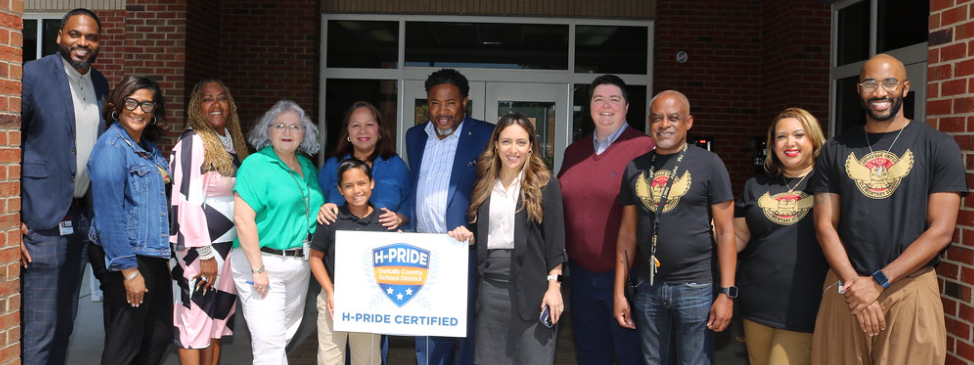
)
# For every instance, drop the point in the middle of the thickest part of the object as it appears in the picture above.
(864, 28)
(40, 36)
(363, 44)
(487, 45)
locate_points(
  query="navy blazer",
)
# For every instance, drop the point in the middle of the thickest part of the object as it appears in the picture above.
(538, 248)
(474, 137)
(48, 140)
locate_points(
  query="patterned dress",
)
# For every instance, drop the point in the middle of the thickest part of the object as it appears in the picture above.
(202, 215)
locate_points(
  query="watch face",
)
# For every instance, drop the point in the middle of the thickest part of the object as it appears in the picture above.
(731, 291)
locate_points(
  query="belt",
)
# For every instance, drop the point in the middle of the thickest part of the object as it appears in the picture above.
(296, 252)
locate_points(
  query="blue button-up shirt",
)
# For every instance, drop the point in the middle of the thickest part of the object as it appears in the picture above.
(433, 185)
(601, 146)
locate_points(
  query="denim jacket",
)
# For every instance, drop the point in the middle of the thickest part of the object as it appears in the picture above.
(129, 195)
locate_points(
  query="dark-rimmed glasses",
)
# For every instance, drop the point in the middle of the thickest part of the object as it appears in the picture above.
(147, 106)
(889, 85)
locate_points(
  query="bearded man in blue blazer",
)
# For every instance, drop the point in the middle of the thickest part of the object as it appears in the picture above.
(61, 119)
(443, 157)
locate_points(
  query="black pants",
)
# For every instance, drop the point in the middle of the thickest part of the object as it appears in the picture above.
(138, 335)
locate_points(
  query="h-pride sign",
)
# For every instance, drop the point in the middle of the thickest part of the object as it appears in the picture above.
(409, 284)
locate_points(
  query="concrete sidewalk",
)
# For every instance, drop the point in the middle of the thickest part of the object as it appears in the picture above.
(88, 340)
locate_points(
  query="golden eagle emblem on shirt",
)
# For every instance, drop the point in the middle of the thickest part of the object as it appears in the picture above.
(878, 174)
(650, 191)
(785, 208)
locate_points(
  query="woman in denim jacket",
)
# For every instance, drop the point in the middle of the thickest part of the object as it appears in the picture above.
(129, 178)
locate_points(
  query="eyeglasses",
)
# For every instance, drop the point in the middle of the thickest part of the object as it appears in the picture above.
(294, 128)
(147, 106)
(889, 84)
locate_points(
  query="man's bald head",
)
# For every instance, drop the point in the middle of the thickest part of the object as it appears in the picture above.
(883, 61)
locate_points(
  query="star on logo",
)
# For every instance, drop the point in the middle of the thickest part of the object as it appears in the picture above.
(389, 290)
(399, 296)
(409, 292)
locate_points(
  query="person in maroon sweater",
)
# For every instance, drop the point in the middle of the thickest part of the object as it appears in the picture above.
(590, 177)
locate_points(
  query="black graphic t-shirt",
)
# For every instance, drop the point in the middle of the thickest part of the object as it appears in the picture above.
(884, 193)
(781, 271)
(685, 247)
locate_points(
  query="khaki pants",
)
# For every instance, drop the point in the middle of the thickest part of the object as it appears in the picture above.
(915, 332)
(364, 347)
(773, 346)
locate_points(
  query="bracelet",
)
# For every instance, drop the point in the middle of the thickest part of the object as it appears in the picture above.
(258, 270)
(130, 277)
(206, 252)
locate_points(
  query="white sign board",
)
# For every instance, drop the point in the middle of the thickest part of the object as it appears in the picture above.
(409, 284)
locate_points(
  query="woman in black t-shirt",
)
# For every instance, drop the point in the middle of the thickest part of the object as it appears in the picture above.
(781, 264)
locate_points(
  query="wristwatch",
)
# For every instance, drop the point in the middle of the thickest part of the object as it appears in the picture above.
(881, 279)
(555, 278)
(730, 291)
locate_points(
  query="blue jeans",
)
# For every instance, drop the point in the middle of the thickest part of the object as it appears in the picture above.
(598, 335)
(668, 312)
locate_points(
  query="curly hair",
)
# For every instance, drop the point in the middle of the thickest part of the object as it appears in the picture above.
(215, 156)
(259, 138)
(448, 76)
(536, 174)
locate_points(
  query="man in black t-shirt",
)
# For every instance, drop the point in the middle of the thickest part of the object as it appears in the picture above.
(886, 203)
(689, 188)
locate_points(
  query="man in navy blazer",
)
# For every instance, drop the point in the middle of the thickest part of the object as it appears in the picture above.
(443, 157)
(61, 119)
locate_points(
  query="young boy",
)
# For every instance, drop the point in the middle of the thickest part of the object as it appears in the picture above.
(357, 214)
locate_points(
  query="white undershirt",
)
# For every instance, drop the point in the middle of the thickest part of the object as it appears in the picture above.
(86, 123)
(503, 204)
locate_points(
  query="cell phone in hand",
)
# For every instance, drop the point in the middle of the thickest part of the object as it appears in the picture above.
(545, 317)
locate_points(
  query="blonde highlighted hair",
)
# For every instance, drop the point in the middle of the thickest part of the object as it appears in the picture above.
(536, 174)
(215, 156)
(772, 165)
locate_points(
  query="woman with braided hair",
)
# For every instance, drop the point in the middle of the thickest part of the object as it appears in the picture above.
(204, 163)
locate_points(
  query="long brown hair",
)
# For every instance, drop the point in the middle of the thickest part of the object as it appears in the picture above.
(215, 156)
(383, 146)
(536, 174)
(772, 165)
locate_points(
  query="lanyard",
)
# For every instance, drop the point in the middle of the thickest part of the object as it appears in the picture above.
(304, 197)
(653, 262)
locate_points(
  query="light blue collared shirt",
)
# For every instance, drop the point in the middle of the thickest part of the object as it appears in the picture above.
(433, 185)
(601, 146)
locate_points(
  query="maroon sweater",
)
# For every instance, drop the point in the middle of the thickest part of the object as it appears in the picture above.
(590, 190)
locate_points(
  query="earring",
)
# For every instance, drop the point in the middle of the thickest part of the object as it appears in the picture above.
(380, 137)
(153, 121)
(529, 151)
(115, 116)
(348, 139)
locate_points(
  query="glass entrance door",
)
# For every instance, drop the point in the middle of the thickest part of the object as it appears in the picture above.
(544, 104)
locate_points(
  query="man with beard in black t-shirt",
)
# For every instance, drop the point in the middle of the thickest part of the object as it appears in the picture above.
(886, 202)
(689, 188)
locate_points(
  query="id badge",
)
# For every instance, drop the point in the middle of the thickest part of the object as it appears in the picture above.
(66, 227)
(306, 247)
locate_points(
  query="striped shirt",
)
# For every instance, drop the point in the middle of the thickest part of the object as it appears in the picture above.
(433, 185)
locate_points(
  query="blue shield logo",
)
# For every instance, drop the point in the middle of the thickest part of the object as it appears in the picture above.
(401, 271)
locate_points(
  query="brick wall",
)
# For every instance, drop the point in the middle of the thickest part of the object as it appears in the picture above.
(723, 42)
(202, 38)
(11, 41)
(154, 44)
(795, 59)
(270, 51)
(950, 108)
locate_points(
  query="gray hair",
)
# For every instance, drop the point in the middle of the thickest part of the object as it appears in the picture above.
(259, 138)
(673, 93)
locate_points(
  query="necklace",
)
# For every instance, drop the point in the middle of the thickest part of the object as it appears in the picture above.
(791, 189)
(226, 141)
(890, 149)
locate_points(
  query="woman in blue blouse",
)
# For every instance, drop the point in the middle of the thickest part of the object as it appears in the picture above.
(129, 178)
(365, 138)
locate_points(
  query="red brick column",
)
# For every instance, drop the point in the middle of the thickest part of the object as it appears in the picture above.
(11, 42)
(950, 108)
